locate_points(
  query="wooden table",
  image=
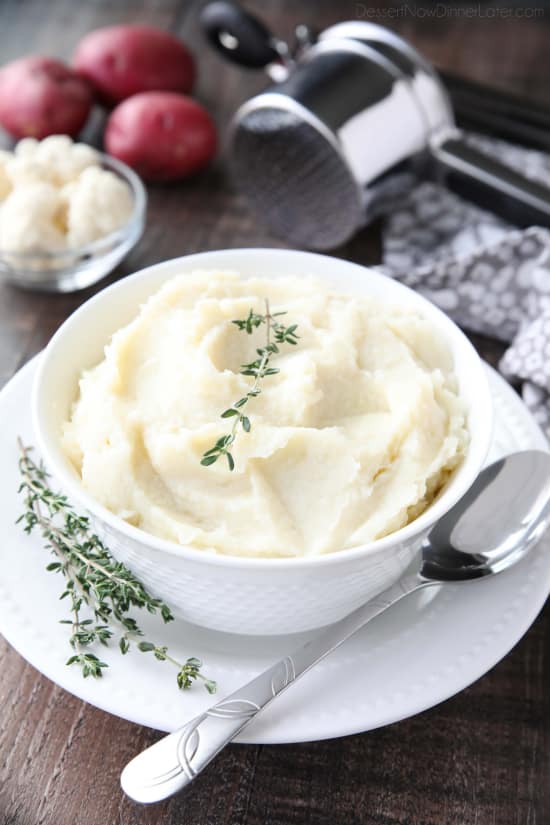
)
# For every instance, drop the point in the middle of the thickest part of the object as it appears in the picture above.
(481, 758)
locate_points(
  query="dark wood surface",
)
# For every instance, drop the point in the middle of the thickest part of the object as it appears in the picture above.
(481, 758)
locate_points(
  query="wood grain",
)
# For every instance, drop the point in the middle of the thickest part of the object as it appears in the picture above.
(481, 758)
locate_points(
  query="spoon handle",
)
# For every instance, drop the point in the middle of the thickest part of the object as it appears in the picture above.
(174, 761)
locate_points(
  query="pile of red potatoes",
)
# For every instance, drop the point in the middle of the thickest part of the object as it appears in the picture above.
(142, 74)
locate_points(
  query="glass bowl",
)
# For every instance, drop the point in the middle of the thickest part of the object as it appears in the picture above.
(70, 269)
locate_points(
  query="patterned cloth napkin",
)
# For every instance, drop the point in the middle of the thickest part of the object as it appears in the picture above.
(488, 277)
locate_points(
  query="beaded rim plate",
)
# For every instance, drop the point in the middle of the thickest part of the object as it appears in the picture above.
(424, 650)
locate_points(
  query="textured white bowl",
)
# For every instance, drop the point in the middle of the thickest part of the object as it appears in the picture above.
(233, 594)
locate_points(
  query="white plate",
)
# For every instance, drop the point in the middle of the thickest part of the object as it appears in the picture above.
(421, 652)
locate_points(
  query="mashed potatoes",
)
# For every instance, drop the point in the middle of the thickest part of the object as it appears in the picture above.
(351, 440)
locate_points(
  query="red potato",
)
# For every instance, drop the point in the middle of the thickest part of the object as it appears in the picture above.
(162, 135)
(40, 96)
(120, 61)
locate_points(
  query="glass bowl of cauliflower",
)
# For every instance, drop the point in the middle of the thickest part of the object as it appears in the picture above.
(68, 214)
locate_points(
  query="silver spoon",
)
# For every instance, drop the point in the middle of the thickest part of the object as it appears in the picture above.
(498, 521)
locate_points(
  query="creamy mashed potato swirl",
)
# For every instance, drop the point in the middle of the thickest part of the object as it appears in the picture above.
(351, 440)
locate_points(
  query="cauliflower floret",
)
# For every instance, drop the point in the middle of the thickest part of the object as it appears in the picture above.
(5, 183)
(23, 171)
(80, 157)
(30, 219)
(65, 158)
(54, 160)
(98, 203)
(54, 149)
(26, 148)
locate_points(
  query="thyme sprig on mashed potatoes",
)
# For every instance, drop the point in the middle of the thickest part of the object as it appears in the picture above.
(94, 581)
(276, 334)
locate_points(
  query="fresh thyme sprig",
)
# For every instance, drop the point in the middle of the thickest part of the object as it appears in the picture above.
(93, 580)
(276, 334)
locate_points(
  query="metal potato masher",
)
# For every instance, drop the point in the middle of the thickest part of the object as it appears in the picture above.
(354, 118)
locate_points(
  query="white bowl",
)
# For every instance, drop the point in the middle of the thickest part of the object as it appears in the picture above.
(234, 594)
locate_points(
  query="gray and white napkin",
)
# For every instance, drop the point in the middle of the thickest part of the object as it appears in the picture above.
(488, 277)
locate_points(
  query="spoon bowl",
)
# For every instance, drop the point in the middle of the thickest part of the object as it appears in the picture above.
(495, 524)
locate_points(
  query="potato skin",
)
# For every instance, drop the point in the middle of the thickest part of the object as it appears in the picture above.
(162, 135)
(120, 61)
(40, 96)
